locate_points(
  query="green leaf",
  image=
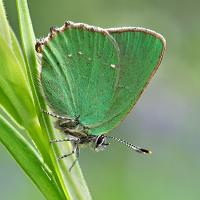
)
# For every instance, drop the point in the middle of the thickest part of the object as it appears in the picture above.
(16, 101)
(18, 52)
(13, 87)
(41, 139)
(25, 130)
(28, 41)
(72, 184)
(4, 26)
(29, 159)
(8, 35)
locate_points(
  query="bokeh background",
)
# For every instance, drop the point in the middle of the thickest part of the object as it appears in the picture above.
(165, 119)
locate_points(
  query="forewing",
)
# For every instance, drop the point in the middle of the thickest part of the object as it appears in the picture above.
(141, 52)
(77, 76)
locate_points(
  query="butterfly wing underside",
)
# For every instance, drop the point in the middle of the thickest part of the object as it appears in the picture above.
(77, 76)
(141, 52)
(98, 74)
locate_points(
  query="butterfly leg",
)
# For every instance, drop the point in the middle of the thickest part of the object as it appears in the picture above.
(64, 121)
(65, 155)
(69, 123)
(54, 115)
(77, 153)
(68, 139)
(75, 145)
(60, 140)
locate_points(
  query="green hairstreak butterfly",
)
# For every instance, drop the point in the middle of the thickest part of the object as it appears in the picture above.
(92, 77)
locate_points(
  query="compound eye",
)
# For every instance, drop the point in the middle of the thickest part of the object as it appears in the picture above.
(100, 141)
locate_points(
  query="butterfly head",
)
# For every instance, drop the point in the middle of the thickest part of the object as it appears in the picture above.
(100, 143)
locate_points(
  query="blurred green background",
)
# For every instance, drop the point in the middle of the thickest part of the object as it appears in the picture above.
(166, 118)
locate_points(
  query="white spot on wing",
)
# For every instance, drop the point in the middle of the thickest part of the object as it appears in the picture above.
(80, 53)
(113, 65)
(69, 55)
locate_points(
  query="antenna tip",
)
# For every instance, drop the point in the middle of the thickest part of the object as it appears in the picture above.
(150, 152)
(145, 151)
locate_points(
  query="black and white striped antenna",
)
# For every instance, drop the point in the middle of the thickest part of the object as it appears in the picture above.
(136, 148)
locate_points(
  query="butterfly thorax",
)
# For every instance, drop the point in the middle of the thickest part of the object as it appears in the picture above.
(74, 129)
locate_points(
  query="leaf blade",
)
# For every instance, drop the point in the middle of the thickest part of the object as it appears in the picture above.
(28, 41)
(28, 159)
(4, 25)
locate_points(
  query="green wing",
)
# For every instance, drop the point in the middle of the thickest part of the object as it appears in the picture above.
(77, 77)
(141, 52)
(96, 73)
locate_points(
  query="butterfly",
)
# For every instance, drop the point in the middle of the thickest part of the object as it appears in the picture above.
(92, 77)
